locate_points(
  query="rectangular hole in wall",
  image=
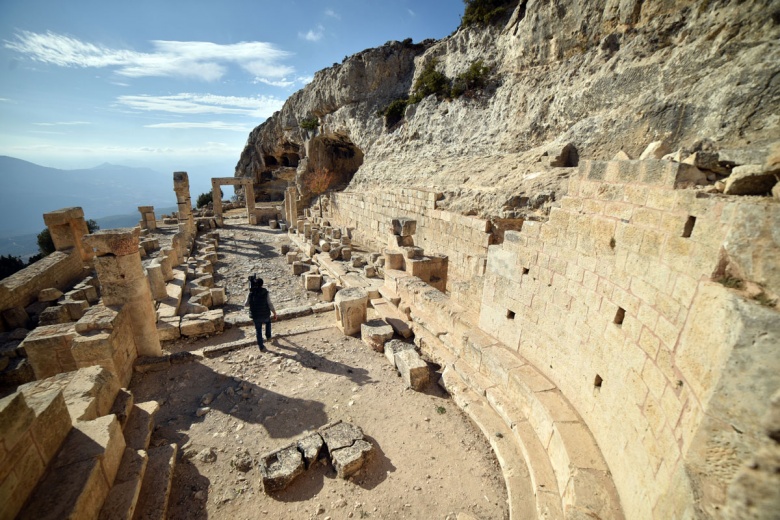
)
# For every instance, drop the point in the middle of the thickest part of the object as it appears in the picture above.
(688, 229)
(510, 315)
(525, 270)
(620, 315)
(597, 384)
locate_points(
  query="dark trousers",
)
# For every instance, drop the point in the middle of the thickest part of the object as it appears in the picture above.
(259, 329)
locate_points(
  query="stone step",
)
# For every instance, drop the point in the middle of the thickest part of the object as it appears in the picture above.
(89, 392)
(393, 316)
(542, 420)
(123, 406)
(76, 482)
(517, 477)
(390, 295)
(140, 424)
(121, 501)
(156, 486)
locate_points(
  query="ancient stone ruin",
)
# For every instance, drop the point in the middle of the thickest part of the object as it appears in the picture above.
(584, 253)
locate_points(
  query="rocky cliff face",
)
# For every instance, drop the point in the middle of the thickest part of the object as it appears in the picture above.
(605, 75)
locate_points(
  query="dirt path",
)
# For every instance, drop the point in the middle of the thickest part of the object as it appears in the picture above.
(429, 461)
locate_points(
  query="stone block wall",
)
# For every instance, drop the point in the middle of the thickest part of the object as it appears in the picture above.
(613, 300)
(59, 269)
(464, 240)
(102, 337)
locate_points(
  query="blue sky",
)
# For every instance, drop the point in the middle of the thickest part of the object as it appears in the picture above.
(174, 84)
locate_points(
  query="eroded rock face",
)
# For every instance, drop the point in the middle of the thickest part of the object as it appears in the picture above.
(603, 76)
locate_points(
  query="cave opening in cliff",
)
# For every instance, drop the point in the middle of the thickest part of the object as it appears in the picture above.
(270, 160)
(337, 155)
(290, 160)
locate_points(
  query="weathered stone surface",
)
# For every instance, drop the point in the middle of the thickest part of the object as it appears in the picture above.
(413, 370)
(329, 291)
(403, 226)
(351, 305)
(340, 435)
(750, 179)
(375, 333)
(312, 282)
(310, 446)
(279, 468)
(49, 295)
(392, 347)
(350, 459)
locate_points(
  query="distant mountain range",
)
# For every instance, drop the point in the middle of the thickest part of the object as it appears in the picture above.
(28, 190)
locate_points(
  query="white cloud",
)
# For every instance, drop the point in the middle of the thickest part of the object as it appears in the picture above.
(332, 14)
(256, 107)
(313, 35)
(305, 79)
(200, 60)
(64, 123)
(211, 125)
(283, 83)
(4, 100)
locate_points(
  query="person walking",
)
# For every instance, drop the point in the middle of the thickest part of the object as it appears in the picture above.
(260, 309)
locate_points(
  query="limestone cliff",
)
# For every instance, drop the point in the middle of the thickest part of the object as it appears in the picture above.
(605, 75)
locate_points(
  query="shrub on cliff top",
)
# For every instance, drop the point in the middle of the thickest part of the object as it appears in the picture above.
(484, 12)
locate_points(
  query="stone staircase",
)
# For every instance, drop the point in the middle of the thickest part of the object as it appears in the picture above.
(81, 446)
(561, 472)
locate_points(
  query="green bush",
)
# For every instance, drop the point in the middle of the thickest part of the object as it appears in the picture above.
(311, 123)
(394, 112)
(430, 81)
(204, 199)
(473, 79)
(484, 12)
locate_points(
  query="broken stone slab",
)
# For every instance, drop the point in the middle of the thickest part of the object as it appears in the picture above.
(292, 257)
(394, 259)
(403, 226)
(394, 241)
(168, 328)
(394, 346)
(351, 306)
(375, 333)
(621, 156)
(329, 291)
(312, 282)
(413, 369)
(369, 271)
(299, 268)
(280, 467)
(346, 253)
(49, 295)
(750, 179)
(310, 447)
(340, 435)
(347, 461)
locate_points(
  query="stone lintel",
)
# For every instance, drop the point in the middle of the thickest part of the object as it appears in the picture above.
(62, 216)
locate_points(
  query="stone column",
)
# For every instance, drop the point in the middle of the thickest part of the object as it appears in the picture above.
(181, 186)
(351, 309)
(148, 220)
(292, 217)
(249, 195)
(122, 282)
(216, 199)
(67, 228)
